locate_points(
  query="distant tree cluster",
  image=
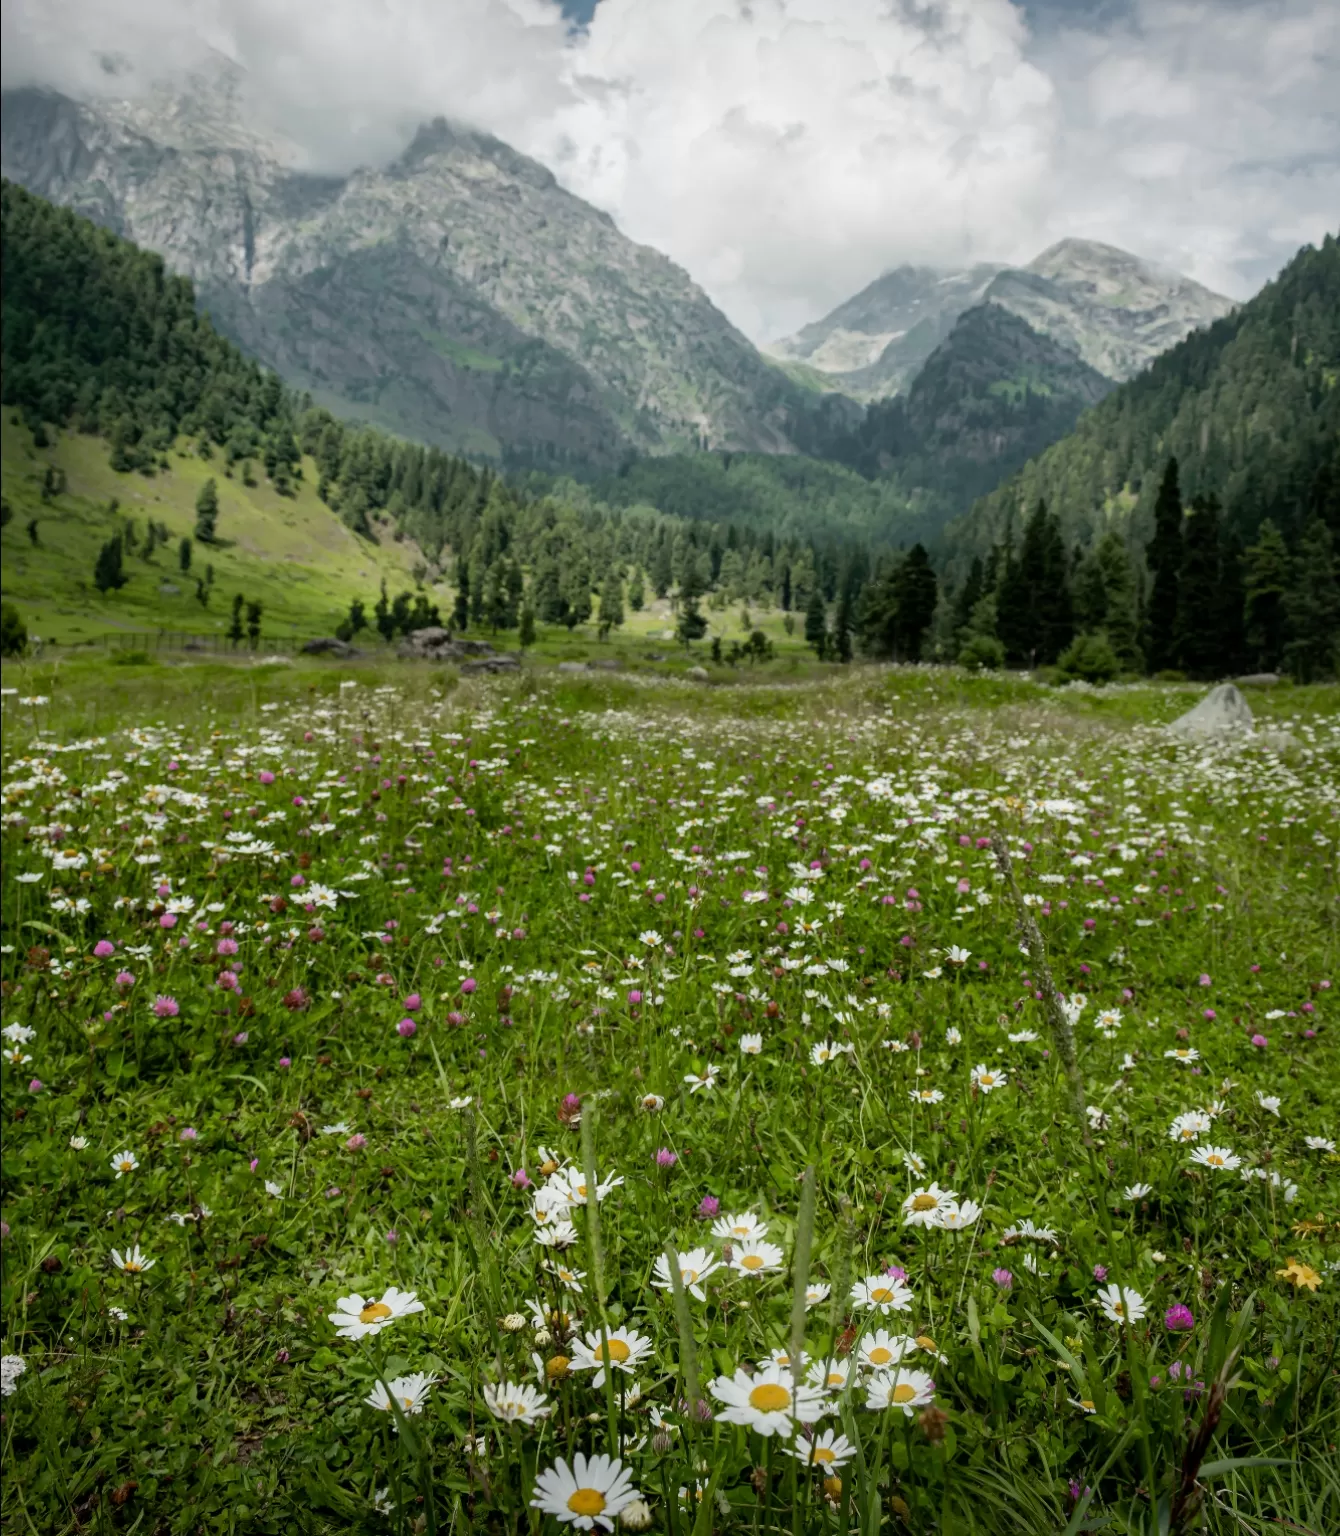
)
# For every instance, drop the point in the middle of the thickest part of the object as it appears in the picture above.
(1195, 600)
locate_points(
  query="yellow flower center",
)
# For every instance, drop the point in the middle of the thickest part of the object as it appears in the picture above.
(833, 1488)
(752, 1261)
(741, 1231)
(549, 1168)
(556, 1368)
(615, 1349)
(926, 1342)
(1087, 1404)
(374, 1312)
(125, 1165)
(836, 1379)
(881, 1293)
(1119, 1308)
(924, 1203)
(586, 1501)
(131, 1267)
(770, 1397)
(581, 1190)
(408, 1403)
(880, 1355)
(903, 1393)
(688, 1276)
(1215, 1160)
(823, 1453)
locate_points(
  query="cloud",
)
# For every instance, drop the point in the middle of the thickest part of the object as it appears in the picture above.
(787, 151)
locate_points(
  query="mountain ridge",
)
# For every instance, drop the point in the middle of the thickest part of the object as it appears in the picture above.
(458, 294)
(1114, 310)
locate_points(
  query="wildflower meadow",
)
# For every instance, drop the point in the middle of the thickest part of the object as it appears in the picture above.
(901, 1103)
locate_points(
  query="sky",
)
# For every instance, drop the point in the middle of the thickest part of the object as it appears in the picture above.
(786, 152)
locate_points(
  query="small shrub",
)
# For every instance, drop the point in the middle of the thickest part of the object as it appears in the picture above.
(1090, 658)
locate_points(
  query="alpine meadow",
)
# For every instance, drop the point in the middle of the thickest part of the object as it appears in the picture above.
(612, 924)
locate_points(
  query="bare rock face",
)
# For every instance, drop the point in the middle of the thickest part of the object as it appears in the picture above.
(1223, 712)
(459, 294)
(329, 645)
(500, 661)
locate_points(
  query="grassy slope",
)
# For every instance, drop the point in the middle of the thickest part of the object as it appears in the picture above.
(291, 553)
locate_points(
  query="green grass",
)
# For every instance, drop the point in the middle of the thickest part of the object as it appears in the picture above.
(452, 821)
(291, 553)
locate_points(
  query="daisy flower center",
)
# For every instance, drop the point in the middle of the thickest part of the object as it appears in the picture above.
(557, 1367)
(131, 1267)
(880, 1355)
(408, 1403)
(926, 1342)
(616, 1349)
(586, 1501)
(770, 1398)
(1215, 1159)
(903, 1393)
(125, 1165)
(688, 1276)
(752, 1261)
(924, 1203)
(374, 1312)
(882, 1293)
(823, 1453)
(1119, 1308)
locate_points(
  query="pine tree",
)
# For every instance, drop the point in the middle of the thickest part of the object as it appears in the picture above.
(637, 593)
(382, 617)
(235, 630)
(1163, 554)
(916, 593)
(108, 572)
(969, 595)
(1313, 607)
(611, 602)
(839, 642)
(207, 512)
(1120, 620)
(253, 623)
(816, 623)
(1267, 581)
(1198, 640)
(460, 613)
(527, 630)
(1232, 605)
(184, 555)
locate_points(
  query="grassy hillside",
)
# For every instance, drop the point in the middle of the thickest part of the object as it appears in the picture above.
(291, 553)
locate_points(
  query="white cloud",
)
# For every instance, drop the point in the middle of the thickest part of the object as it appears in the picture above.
(786, 151)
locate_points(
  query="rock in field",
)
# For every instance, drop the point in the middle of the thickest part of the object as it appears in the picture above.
(1222, 712)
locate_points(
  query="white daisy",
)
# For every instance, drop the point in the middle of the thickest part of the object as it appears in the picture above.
(756, 1258)
(516, 1403)
(354, 1316)
(769, 1401)
(751, 1045)
(410, 1392)
(923, 1206)
(986, 1078)
(1221, 1158)
(124, 1162)
(622, 1350)
(828, 1450)
(882, 1349)
(132, 1262)
(1120, 1304)
(739, 1227)
(694, 1268)
(882, 1293)
(905, 1389)
(588, 1494)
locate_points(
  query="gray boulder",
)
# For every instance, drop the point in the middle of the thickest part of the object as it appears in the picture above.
(1223, 712)
(698, 675)
(1259, 680)
(501, 661)
(328, 645)
(434, 644)
(572, 666)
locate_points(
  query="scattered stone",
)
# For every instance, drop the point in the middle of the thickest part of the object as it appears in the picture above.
(329, 645)
(698, 675)
(502, 661)
(655, 656)
(1222, 712)
(434, 644)
(608, 664)
(1259, 680)
(572, 666)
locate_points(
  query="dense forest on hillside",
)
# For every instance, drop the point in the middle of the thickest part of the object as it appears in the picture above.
(1249, 407)
(98, 337)
(993, 394)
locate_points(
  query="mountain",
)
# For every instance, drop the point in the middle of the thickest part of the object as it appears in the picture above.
(1114, 310)
(458, 295)
(992, 394)
(1249, 407)
(875, 342)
